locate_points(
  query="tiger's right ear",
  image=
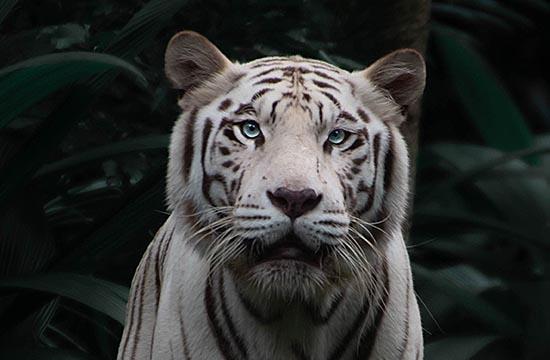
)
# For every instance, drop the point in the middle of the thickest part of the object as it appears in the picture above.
(191, 59)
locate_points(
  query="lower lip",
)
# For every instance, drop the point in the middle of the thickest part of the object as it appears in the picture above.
(290, 254)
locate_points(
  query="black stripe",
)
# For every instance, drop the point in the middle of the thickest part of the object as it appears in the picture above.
(268, 81)
(358, 142)
(225, 104)
(255, 313)
(326, 76)
(228, 133)
(272, 114)
(270, 62)
(346, 115)
(332, 99)
(221, 340)
(323, 66)
(367, 342)
(245, 108)
(240, 181)
(205, 136)
(138, 320)
(363, 115)
(188, 150)
(229, 321)
(299, 352)
(324, 85)
(259, 94)
(406, 322)
(265, 72)
(320, 107)
(371, 192)
(351, 333)
(388, 163)
(319, 319)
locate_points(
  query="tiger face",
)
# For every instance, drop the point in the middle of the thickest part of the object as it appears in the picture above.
(293, 170)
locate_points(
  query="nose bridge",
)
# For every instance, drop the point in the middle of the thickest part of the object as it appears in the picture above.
(293, 160)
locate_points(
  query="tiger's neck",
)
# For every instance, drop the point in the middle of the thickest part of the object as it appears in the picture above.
(292, 329)
(219, 320)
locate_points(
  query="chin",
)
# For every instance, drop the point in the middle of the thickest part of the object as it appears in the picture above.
(286, 280)
(286, 271)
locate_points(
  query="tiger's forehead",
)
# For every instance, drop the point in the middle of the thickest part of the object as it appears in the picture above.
(296, 73)
(291, 63)
(273, 85)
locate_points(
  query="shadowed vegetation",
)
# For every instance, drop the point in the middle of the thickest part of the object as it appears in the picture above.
(85, 114)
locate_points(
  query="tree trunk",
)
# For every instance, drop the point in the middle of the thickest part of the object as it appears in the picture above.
(384, 26)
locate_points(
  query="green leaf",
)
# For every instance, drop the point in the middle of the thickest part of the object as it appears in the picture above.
(467, 299)
(145, 143)
(449, 216)
(138, 34)
(488, 105)
(143, 27)
(64, 36)
(5, 8)
(457, 348)
(101, 295)
(120, 231)
(27, 82)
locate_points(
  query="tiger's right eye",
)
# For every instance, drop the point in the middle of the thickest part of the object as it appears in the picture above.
(251, 129)
(337, 136)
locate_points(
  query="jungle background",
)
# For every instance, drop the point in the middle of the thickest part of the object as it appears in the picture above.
(85, 114)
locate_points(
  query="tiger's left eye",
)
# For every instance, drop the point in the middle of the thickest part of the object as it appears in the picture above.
(251, 129)
(337, 136)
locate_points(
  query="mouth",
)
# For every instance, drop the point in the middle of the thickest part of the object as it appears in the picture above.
(291, 248)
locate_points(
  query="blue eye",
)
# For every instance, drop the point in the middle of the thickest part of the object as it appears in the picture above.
(337, 136)
(251, 129)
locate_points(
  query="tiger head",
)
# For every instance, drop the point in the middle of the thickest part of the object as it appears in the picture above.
(292, 171)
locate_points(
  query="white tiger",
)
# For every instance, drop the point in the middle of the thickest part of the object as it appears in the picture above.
(287, 186)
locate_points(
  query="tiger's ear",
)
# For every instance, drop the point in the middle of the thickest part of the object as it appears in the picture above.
(191, 59)
(401, 74)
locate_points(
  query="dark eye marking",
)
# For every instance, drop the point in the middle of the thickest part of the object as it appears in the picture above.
(272, 114)
(357, 143)
(346, 115)
(360, 160)
(225, 104)
(228, 133)
(363, 115)
(245, 109)
(259, 94)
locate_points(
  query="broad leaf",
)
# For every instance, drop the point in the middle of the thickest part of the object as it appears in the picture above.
(27, 82)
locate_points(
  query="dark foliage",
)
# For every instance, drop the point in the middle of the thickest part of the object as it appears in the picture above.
(83, 156)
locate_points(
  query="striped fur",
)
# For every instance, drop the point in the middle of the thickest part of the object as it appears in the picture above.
(204, 289)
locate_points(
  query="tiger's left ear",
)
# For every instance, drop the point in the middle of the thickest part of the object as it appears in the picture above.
(400, 74)
(191, 60)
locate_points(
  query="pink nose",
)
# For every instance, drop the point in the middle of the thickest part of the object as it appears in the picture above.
(294, 203)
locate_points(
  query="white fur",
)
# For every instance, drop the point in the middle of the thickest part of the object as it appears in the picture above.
(176, 325)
